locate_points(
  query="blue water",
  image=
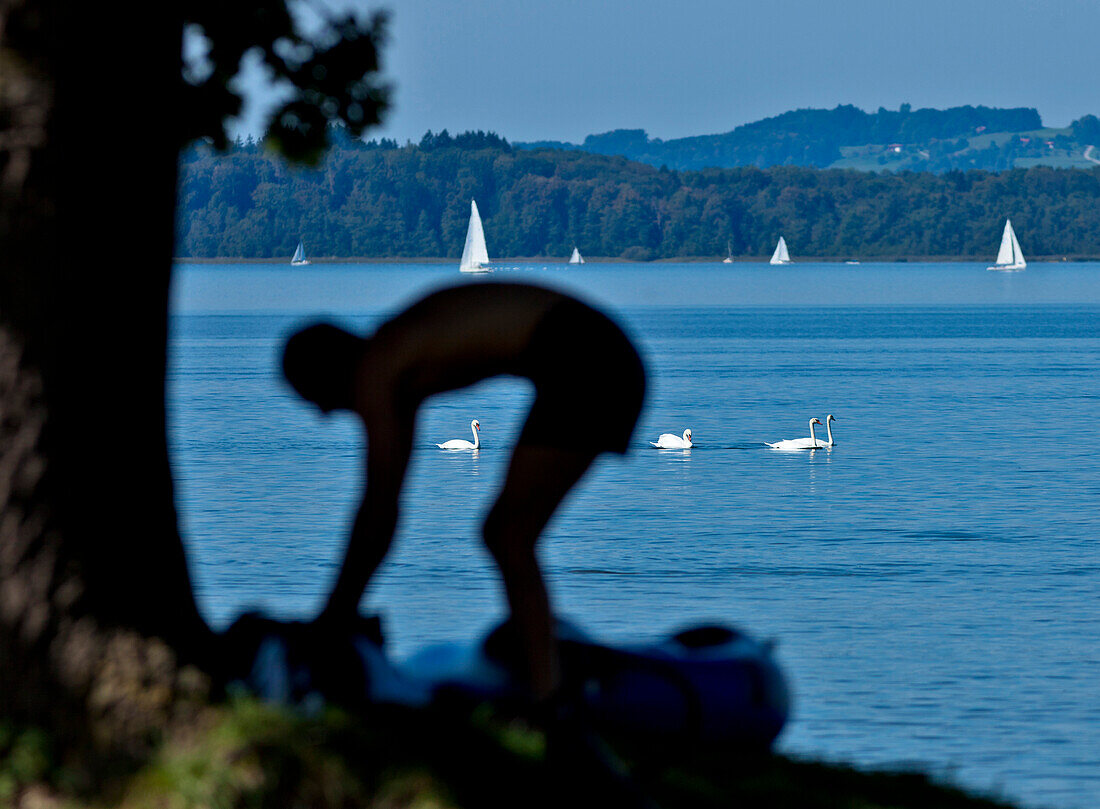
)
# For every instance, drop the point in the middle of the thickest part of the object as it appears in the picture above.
(932, 581)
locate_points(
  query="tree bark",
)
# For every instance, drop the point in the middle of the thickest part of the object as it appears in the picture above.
(96, 608)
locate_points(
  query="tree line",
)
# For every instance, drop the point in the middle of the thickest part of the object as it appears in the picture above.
(376, 199)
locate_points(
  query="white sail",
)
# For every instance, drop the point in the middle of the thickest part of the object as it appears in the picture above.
(1017, 253)
(1004, 255)
(299, 255)
(475, 255)
(1009, 256)
(781, 256)
(576, 257)
(729, 254)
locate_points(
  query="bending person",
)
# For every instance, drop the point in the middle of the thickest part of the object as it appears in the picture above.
(580, 362)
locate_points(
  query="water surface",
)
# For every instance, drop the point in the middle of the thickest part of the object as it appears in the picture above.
(932, 580)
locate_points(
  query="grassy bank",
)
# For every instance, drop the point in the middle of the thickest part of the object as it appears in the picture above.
(248, 754)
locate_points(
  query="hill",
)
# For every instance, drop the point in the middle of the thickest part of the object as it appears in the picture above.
(384, 201)
(958, 138)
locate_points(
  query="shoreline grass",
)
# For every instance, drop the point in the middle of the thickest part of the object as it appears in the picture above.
(250, 754)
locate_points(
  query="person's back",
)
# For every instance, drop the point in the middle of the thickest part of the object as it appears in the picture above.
(453, 338)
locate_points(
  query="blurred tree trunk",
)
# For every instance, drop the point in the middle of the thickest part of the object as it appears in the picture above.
(96, 607)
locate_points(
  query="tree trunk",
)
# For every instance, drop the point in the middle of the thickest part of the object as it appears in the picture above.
(96, 606)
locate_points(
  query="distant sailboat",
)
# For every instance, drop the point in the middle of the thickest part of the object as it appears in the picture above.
(781, 256)
(729, 255)
(1009, 257)
(299, 256)
(475, 256)
(576, 258)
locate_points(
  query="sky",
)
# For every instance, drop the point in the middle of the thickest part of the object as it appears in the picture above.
(564, 69)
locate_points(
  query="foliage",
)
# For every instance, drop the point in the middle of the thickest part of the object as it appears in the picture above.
(331, 74)
(1087, 130)
(25, 757)
(250, 754)
(914, 140)
(376, 200)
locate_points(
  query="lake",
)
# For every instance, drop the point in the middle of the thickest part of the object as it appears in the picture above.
(932, 580)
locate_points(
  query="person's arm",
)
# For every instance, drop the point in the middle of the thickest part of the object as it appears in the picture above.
(389, 445)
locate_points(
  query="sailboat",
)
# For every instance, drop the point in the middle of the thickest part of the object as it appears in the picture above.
(781, 256)
(729, 255)
(475, 256)
(576, 258)
(1009, 256)
(299, 256)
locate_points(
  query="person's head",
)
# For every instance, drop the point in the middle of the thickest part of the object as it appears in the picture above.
(320, 362)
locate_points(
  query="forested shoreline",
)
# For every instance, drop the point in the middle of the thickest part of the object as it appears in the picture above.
(379, 200)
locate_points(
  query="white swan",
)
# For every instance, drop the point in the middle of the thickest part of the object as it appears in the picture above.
(813, 442)
(670, 441)
(462, 443)
(829, 428)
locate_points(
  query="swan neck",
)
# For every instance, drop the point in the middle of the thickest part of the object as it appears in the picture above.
(829, 430)
(813, 435)
(477, 437)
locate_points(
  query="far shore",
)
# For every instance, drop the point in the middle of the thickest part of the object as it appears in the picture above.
(615, 260)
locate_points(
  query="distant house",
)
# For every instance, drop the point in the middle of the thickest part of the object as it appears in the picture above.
(1050, 144)
(894, 147)
(980, 129)
(1025, 140)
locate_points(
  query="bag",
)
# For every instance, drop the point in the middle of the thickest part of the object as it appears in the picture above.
(708, 683)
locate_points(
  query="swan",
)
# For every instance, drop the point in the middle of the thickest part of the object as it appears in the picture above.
(829, 427)
(462, 443)
(670, 441)
(813, 442)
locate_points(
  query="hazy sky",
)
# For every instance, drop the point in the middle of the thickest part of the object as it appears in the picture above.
(562, 69)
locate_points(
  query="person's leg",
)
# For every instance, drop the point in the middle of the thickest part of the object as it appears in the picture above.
(537, 480)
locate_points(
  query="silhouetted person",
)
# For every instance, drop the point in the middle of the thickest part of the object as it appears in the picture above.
(583, 368)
